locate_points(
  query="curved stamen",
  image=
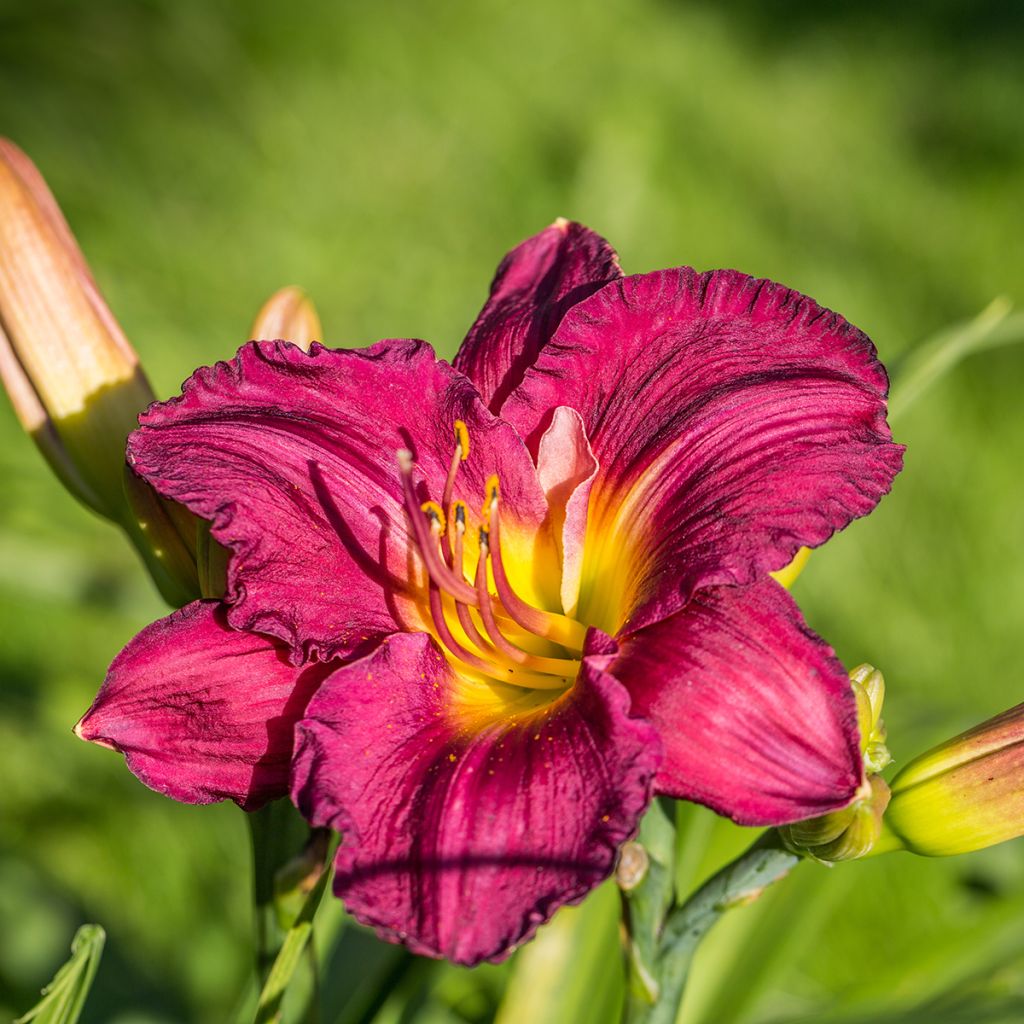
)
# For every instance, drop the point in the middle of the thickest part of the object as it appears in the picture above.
(550, 625)
(459, 456)
(510, 674)
(463, 613)
(555, 666)
(436, 569)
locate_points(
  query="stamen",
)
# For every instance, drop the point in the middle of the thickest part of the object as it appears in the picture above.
(511, 675)
(555, 666)
(437, 570)
(551, 625)
(465, 617)
(459, 456)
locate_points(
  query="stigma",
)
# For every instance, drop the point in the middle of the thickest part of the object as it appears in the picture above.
(478, 617)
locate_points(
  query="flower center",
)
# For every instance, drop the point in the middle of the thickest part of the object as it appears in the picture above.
(496, 633)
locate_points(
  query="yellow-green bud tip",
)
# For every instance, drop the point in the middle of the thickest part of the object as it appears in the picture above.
(963, 795)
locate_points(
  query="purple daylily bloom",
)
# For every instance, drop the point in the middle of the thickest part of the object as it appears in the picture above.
(482, 700)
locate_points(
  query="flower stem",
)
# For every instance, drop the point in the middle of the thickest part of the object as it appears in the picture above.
(277, 833)
(739, 882)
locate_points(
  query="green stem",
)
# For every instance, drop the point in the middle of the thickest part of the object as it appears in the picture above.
(737, 883)
(277, 834)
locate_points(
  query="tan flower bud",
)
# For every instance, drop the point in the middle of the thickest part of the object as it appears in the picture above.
(74, 380)
(288, 315)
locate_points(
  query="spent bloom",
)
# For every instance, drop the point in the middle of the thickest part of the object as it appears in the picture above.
(476, 614)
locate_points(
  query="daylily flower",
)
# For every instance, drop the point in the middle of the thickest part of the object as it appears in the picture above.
(476, 614)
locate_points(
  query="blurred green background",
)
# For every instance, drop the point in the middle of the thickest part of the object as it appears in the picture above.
(385, 156)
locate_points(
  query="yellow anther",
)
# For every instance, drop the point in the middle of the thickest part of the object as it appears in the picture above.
(459, 513)
(435, 514)
(493, 490)
(462, 438)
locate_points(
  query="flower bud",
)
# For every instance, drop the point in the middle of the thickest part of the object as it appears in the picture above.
(845, 834)
(288, 315)
(869, 691)
(74, 380)
(963, 795)
(853, 830)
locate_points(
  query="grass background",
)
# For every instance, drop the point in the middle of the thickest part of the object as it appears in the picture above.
(385, 156)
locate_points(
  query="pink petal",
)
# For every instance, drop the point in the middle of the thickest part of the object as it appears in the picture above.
(566, 468)
(461, 835)
(292, 456)
(202, 712)
(534, 286)
(734, 420)
(755, 712)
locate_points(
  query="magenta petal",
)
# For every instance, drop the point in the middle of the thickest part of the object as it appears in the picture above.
(756, 714)
(734, 421)
(292, 456)
(461, 837)
(534, 286)
(202, 712)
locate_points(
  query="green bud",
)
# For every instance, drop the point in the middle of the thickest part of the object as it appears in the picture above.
(963, 795)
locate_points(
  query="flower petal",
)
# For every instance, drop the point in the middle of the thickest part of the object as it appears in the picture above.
(566, 468)
(202, 712)
(734, 420)
(292, 456)
(757, 716)
(536, 283)
(459, 839)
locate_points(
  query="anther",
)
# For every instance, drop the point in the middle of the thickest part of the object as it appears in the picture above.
(462, 439)
(436, 516)
(437, 570)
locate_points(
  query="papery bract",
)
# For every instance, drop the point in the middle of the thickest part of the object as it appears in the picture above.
(537, 589)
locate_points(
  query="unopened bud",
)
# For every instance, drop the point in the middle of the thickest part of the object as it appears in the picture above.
(869, 691)
(963, 795)
(288, 315)
(74, 379)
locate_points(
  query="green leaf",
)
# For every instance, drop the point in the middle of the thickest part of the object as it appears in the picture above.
(928, 362)
(279, 977)
(572, 970)
(65, 996)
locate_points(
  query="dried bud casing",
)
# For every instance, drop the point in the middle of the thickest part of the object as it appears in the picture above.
(963, 795)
